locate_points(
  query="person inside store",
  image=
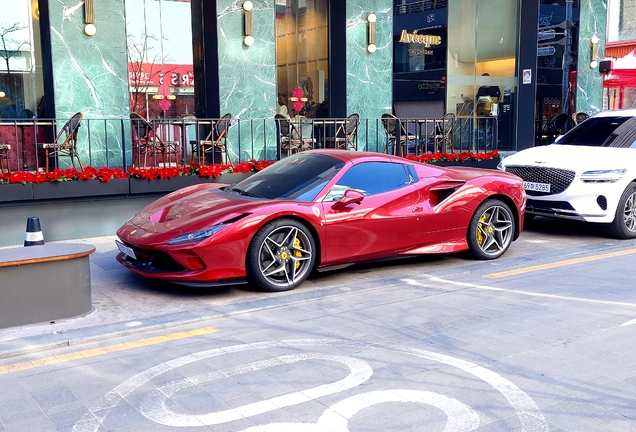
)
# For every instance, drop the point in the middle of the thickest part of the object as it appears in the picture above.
(282, 106)
(487, 96)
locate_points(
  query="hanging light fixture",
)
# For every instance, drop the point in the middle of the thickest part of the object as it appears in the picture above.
(249, 39)
(594, 40)
(371, 19)
(89, 18)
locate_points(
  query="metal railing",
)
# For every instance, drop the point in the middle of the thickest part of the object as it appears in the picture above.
(118, 143)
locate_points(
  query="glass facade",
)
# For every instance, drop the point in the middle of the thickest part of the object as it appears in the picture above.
(481, 69)
(159, 46)
(21, 83)
(302, 57)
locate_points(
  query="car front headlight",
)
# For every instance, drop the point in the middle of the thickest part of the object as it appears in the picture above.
(195, 236)
(603, 176)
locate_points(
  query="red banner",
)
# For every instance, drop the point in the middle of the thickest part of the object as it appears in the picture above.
(152, 75)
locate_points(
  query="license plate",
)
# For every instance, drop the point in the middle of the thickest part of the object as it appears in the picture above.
(126, 250)
(538, 187)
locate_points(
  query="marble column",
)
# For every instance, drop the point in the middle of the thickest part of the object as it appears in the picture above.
(369, 75)
(589, 81)
(90, 76)
(247, 78)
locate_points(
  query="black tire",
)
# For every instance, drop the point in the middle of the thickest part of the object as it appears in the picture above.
(624, 224)
(491, 230)
(281, 255)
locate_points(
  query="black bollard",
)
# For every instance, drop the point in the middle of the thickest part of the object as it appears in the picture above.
(33, 235)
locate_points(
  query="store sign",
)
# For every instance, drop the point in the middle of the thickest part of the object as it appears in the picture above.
(546, 51)
(545, 35)
(152, 75)
(426, 40)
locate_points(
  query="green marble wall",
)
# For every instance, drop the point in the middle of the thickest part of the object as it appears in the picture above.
(247, 78)
(369, 76)
(589, 81)
(91, 76)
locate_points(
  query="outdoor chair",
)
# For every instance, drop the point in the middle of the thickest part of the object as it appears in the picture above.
(444, 133)
(4, 158)
(290, 137)
(65, 143)
(346, 135)
(150, 143)
(395, 131)
(214, 142)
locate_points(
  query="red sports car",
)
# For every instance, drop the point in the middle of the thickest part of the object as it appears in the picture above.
(320, 209)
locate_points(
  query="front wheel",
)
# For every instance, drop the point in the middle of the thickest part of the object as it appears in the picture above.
(624, 224)
(491, 230)
(281, 255)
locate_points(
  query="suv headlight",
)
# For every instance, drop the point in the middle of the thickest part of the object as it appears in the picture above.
(195, 236)
(602, 176)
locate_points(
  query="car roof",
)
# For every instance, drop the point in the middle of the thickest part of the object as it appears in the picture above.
(617, 113)
(348, 155)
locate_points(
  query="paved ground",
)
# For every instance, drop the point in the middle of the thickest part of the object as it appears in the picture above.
(542, 339)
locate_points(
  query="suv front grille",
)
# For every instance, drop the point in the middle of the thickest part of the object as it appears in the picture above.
(558, 179)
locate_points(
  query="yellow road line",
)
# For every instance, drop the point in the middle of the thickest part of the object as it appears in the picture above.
(63, 358)
(559, 264)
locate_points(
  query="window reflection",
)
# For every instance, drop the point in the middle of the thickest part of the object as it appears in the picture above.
(160, 71)
(21, 86)
(302, 57)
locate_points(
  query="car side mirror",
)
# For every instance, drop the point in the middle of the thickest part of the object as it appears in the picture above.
(350, 196)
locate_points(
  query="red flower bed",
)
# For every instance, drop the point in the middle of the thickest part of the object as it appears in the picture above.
(106, 174)
(459, 157)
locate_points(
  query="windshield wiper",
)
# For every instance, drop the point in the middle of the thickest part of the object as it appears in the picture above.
(243, 192)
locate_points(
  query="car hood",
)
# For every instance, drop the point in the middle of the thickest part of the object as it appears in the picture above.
(575, 158)
(192, 208)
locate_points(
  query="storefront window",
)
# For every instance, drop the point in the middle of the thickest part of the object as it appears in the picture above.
(426, 53)
(481, 69)
(21, 84)
(160, 70)
(302, 57)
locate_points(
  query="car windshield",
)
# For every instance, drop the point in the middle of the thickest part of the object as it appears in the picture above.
(299, 177)
(593, 132)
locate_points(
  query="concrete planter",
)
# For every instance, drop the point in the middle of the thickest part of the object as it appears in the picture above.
(488, 163)
(80, 188)
(145, 186)
(16, 192)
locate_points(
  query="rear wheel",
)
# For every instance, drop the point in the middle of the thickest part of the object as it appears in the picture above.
(281, 255)
(624, 224)
(491, 230)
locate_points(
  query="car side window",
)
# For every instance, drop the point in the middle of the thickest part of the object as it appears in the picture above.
(372, 178)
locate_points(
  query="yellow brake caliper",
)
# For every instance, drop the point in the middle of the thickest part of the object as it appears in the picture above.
(480, 236)
(297, 252)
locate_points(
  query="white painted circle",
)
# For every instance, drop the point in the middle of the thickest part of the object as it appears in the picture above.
(460, 417)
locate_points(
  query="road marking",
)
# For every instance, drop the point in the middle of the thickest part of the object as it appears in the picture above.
(513, 291)
(559, 264)
(77, 355)
(460, 417)
(628, 323)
